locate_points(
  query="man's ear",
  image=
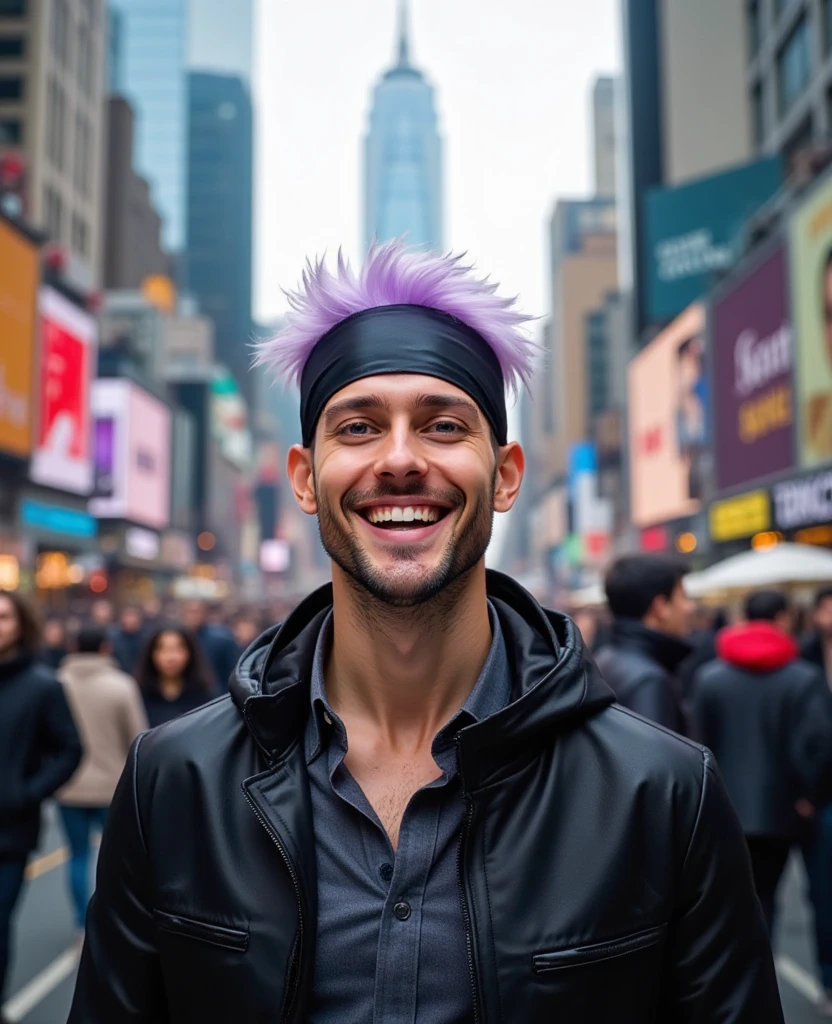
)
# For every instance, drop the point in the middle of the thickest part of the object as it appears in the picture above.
(511, 465)
(299, 468)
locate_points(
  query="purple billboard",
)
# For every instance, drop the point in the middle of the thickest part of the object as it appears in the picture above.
(751, 335)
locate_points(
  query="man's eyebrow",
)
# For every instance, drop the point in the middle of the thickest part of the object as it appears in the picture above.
(446, 402)
(357, 404)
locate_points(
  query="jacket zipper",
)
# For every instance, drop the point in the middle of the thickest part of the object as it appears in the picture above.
(285, 1015)
(466, 917)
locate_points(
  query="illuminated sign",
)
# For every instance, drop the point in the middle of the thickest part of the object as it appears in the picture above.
(740, 517)
(803, 502)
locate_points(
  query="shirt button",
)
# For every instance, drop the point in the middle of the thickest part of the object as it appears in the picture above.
(386, 872)
(402, 910)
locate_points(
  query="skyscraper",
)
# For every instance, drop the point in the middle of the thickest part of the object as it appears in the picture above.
(403, 155)
(220, 199)
(152, 42)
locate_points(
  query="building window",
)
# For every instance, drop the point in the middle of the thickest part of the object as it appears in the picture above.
(80, 235)
(12, 8)
(11, 131)
(794, 66)
(60, 30)
(54, 214)
(55, 123)
(827, 21)
(11, 87)
(754, 33)
(84, 58)
(12, 46)
(758, 115)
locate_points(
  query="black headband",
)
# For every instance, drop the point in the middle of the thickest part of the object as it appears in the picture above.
(403, 339)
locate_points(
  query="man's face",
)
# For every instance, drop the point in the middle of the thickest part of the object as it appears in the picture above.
(101, 612)
(9, 628)
(674, 612)
(823, 618)
(405, 480)
(827, 311)
(131, 620)
(193, 614)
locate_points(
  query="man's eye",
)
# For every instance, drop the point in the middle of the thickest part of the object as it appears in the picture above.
(355, 430)
(446, 427)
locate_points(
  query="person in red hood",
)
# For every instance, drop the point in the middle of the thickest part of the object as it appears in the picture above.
(767, 716)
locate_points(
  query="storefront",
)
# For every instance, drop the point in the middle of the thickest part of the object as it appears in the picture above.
(57, 545)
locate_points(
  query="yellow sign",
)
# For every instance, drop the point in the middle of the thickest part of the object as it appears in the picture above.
(19, 271)
(740, 517)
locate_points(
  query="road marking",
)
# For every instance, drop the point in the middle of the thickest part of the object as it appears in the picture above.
(42, 985)
(798, 978)
(48, 862)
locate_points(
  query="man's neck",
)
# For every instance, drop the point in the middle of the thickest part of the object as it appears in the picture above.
(404, 672)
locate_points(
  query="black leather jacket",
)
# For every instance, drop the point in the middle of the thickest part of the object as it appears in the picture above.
(640, 665)
(602, 872)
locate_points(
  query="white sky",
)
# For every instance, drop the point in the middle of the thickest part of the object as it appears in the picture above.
(512, 82)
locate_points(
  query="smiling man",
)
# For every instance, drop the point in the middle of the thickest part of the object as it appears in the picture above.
(419, 802)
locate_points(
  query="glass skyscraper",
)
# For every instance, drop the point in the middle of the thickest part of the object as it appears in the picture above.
(152, 44)
(403, 157)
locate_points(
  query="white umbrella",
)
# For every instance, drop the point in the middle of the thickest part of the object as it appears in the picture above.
(776, 566)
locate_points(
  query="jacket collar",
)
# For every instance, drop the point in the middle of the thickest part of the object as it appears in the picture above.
(554, 682)
(12, 667)
(668, 651)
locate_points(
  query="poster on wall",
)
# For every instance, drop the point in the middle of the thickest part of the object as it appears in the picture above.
(132, 455)
(811, 275)
(62, 455)
(19, 271)
(751, 336)
(668, 421)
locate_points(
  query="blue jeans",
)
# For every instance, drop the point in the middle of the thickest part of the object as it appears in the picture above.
(11, 882)
(817, 856)
(78, 822)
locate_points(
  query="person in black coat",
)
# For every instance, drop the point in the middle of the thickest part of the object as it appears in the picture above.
(39, 751)
(214, 640)
(172, 675)
(767, 716)
(127, 639)
(647, 641)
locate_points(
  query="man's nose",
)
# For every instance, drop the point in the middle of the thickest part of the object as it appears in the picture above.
(400, 456)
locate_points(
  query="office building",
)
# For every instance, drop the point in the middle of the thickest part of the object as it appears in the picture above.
(604, 147)
(682, 63)
(132, 248)
(219, 223)
(403, 156)
(152, 39)
(52, 111)
(221, 44)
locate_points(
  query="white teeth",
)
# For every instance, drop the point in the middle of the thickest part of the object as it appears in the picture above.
(398, 514)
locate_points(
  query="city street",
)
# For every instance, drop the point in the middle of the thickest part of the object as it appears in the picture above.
(43, 974)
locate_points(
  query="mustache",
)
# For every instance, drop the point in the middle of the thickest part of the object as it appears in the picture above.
(452, 496)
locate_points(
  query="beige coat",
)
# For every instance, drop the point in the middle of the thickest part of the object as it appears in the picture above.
(109, 713)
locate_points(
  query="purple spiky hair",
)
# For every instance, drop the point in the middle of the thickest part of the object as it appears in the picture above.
(392, 274)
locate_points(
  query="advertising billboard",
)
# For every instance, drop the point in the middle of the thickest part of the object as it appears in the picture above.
(131, 454)
(811, 268)
(19, 270)
(751, 337)
(668, 406)
(693, 231)
(62, 455)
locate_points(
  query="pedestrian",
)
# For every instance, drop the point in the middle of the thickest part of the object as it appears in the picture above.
(53, 648)
(215, 641)
(173, 676)
(647, 644)
(39, 750)
(101, 612)
(817, 845)
(128, 638)
(245, 627)
(419, 800)
(767, 717)
(108, 711)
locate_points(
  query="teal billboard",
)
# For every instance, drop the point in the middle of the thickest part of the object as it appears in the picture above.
(694, 231)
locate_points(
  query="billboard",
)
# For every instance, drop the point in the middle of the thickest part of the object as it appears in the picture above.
(811, 267)
(668, 414)
(19, 271)
(131, 454)
(751, 338)
(693, 231)
(62, 455)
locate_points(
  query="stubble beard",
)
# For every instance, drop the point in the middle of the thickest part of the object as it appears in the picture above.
(461, 555)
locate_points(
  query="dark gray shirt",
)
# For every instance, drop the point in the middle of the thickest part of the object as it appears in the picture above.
(391, 944)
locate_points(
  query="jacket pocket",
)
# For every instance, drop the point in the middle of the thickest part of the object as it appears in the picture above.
(542, 963)
(202, 931)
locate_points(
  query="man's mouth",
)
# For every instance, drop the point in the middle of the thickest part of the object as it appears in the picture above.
(402, 517)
